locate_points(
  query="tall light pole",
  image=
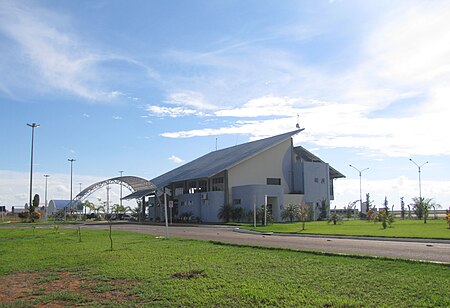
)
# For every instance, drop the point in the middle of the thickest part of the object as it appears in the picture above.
(80, 185)
(420, 183)
(107, 198)
(33, 126)
(360, 190)
(121, 173)
(45, 208)
(71, 160)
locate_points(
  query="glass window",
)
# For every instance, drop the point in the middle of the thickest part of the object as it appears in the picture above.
(203, 185)
(217, 184)
(273, 181)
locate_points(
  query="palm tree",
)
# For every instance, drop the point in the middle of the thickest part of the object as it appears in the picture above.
(225, 212)
(289, 212)
(422, 206)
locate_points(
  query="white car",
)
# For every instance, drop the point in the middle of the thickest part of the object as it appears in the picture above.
(126, 217)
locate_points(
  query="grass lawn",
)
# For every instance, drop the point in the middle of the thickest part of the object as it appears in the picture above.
(401, 228)
(40, 267)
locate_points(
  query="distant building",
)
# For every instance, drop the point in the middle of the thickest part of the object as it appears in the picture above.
(269, 170)
(56, 205)
(346, 212)
(17, 210)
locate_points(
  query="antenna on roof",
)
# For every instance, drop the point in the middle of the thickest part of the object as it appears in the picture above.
(216, 143)
(298, 124)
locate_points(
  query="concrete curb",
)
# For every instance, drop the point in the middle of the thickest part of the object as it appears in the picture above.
(371, 238)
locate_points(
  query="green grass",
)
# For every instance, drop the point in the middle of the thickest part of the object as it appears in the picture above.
(228, 275)
(436, 229)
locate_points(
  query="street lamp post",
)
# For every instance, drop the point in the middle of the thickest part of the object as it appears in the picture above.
(121, 173)
(71, 160)
(33, 126)
(107, 198)
(360, 190)
(419, 167)
(45, 208)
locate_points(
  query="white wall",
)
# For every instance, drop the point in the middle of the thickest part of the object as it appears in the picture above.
(316, 191)
(272, 163)
(205, 209)
(296, 199)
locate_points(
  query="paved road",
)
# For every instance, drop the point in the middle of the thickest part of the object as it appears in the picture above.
(420, 250)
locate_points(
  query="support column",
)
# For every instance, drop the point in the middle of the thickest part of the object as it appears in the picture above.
(142, 218)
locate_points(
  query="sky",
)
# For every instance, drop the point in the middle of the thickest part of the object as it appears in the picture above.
(145, 86)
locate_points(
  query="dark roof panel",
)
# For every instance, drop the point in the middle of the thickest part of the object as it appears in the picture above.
(218, 161)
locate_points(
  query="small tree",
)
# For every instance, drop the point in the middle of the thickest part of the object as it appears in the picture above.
(370, 214)
(303, 214)
(402, 208)
(349, 208)
(335, 217)
(385, 218)
(324, 209)
(264, 214)
(33, 206)
(108, 217)
(369, 203)
(386, 205)
(237, 213)
(290, 212)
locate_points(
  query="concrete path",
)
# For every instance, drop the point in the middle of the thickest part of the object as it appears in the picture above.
(424, 250)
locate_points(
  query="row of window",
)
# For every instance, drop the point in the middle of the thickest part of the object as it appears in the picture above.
(217, 184)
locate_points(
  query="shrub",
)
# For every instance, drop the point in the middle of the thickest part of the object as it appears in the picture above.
(225, 212)
(447, 217)
(290, 212)
(335, 218)
(385, 218)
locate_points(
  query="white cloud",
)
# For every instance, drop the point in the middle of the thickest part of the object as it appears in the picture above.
(189, 98)
(117, 117)
(176, 159)
(394, 102)
(114, 94)
(413, 45)
(255, 129)
(50, 57)
(172, 112)
(264, 106)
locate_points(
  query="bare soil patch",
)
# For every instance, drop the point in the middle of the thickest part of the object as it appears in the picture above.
(60, 289)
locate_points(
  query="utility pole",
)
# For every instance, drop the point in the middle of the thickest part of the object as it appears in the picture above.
(71, 160)
(420, 184)
(360, 190)
(33, 126)
(107, 198)
(121, 174)
(45, 208)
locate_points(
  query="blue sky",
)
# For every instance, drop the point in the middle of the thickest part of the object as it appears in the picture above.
(143, 86)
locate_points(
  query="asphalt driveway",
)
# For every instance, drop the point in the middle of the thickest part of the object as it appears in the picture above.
(424, 250)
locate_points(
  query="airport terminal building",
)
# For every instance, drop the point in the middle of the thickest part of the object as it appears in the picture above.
(269, 171)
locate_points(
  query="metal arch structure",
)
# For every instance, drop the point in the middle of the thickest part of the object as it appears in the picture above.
(133, 183)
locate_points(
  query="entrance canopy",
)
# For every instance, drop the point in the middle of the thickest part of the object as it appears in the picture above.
(133, 183)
